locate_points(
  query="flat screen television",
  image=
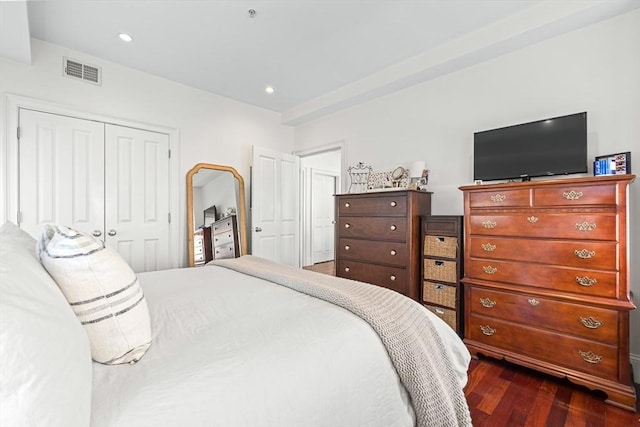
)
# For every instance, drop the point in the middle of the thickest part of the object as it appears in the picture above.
(554, 146)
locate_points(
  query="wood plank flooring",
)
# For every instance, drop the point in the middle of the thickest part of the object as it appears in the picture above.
(501, 394)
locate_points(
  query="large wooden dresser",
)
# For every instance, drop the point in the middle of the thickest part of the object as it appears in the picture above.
(378, 238)
(546, 279)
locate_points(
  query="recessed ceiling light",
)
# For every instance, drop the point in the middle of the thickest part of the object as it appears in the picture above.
(269, 89)
(125, 37)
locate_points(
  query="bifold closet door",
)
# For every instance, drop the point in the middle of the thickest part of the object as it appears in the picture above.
(137, 196)
(61, 172)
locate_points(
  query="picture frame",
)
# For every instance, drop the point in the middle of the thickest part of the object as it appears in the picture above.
(612, 164)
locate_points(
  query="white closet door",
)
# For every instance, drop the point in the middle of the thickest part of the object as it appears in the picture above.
(323, 187)
(61, 177)
(137, 196)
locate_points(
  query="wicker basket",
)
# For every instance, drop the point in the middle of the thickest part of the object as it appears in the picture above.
(449, 316)
(435, 269)
(441, 246)
(439, 293)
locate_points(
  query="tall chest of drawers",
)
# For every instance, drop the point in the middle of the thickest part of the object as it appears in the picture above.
(378, 238)
(546, 279)
(224, 238)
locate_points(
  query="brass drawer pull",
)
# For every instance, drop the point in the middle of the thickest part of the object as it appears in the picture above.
(393, 204)
(585, 226)
(586, 281)
(487, 330)
(488, 247)
(590, 357)
(489, 224)
(584, 253)
(347, 247)
(591, 323)
(488, 303)
(572, 195)
(347, 225)
(392, 277)
(533, 219)
(533, 302)
(497, 198)
(346, 205)
(489, 270)
(393, 228)
(393, 252)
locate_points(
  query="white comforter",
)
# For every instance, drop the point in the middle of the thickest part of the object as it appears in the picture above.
(232, 350)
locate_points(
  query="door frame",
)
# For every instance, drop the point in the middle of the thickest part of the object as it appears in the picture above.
(308, 203)
(10, 160)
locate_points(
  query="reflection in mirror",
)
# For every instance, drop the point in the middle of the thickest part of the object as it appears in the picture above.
(216, 215)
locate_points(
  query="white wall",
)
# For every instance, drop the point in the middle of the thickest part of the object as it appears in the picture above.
(595, 69)
(211, 128)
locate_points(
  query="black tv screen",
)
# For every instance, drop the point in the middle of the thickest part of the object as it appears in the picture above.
(553, 146)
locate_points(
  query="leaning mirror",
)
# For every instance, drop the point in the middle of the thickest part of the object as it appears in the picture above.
(216, 217)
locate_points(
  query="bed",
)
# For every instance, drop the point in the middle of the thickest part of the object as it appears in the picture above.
(243, 342)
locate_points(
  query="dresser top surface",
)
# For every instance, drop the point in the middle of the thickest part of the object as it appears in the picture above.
(551, 182)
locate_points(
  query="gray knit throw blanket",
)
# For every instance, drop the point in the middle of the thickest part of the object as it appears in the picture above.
(405, 329)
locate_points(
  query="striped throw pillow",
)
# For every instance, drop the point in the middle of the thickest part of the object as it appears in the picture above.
(102, 290)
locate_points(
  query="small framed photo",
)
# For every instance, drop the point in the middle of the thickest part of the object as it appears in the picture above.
(612, 164)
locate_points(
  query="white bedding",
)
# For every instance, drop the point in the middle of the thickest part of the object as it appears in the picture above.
(232, 350)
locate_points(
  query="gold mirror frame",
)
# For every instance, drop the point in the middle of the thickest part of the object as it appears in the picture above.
(242, 216)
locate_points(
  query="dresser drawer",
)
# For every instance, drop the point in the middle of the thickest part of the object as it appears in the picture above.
(389, 277)
(583, 226)
(441, 270)
(575, 195)
(570, 352)
(582, 254)
(500, 198)
(373, 251)
(579, 320)
(224, 251)
(378, 205)
(440, 294)
(441, 246)
(222, 226)
(573, 280)
(380, 228)
(222, 238)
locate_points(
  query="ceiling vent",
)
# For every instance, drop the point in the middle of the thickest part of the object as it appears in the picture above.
(78, 70)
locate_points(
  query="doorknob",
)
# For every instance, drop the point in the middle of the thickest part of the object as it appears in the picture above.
(257, 229)
(97, 233)
(112, 232)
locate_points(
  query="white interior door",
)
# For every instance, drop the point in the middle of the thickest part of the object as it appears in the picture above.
(323, 187)
(137, 197)
(275, 206)
(61, 178)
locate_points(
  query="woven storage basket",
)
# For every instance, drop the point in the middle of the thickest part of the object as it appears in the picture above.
(441, 246)
(435, 269)
(439, 293)
(449, 316)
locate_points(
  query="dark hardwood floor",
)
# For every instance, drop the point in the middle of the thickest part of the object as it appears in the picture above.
(503, 394)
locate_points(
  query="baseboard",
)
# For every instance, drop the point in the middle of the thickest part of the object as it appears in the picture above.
(635, 362)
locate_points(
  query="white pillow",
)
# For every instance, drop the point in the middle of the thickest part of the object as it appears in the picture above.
(103, 292)
(45, 362)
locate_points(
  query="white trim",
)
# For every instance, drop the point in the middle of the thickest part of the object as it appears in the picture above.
(635, 362)
(9, 151)
(339, 145)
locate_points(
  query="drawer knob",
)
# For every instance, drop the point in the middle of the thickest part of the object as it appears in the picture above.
(393, 204)
(533, 302)
(585, 226)
(347, 225)
(590, 357)
(488, 303)
(393, 252)
(586, 281)
(488, 247)
(489, 224)
(392, 277)
(497, 198)
(584, 253)
(489, 270)
(347, 269)
(572, 195)
(533, 219)
(347, 247)
(393, 228)
(346, 205)
(591, 323)
(487, 330)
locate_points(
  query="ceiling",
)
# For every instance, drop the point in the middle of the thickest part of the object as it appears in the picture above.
(319, 56)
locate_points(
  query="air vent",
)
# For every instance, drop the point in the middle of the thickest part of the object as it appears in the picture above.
(78, 70)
